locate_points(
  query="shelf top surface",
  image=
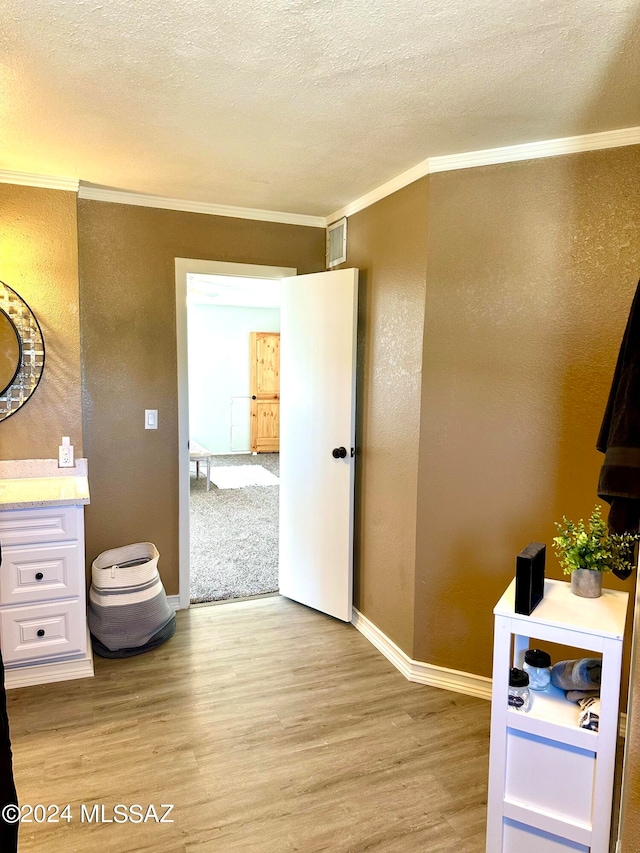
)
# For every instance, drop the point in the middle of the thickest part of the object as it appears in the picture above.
(604, 616)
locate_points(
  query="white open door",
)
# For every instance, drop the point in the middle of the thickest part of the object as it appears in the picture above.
(318, 320)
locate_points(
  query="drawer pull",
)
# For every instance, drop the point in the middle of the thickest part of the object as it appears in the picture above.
(39, 576)
(41, 632)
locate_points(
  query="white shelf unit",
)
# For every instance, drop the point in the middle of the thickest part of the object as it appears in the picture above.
(551, 782)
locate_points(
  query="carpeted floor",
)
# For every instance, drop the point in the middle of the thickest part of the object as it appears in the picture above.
(234, 534)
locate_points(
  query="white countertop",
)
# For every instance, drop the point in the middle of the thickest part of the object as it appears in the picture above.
(38, 482)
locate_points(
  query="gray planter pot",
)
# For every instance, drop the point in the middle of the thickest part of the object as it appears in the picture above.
(586, 583)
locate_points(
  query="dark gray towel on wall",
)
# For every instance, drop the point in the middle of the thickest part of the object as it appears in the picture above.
(619, 438)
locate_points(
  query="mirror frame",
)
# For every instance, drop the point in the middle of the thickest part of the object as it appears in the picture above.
(32, 352)
(19, 340)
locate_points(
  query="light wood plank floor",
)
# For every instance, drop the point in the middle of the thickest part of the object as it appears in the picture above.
(271, 728)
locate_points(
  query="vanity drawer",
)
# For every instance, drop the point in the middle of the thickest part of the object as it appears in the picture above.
(42, 631)
(45, 524)
(40, 573)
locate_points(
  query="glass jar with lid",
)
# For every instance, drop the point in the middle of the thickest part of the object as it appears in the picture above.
(537, 665)
(519, 695)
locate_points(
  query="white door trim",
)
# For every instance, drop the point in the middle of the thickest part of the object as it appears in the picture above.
(183, 267)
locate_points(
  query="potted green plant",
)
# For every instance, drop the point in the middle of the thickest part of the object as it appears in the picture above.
(585, 552)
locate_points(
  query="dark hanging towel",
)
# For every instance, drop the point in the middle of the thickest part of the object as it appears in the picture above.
(619, 437)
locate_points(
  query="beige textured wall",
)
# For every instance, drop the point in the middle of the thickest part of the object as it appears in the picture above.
(388, 242)
(39, 260)
(532, 268)
(127, 299)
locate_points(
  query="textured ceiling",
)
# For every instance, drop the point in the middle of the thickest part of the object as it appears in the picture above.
(300, 105)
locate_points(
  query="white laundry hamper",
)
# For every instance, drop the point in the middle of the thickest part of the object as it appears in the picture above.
(128, 609)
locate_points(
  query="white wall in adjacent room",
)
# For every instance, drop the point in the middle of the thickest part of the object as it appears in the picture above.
(219, 372)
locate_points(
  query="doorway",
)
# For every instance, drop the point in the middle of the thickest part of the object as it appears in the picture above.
(233, 328)
(317, 434)
(230, 529)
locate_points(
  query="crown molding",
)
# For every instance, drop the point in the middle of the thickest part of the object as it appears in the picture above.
(491, 157)
(122, 197)
(432, 165)
(536, 150)
(30, 179)
(392, 186)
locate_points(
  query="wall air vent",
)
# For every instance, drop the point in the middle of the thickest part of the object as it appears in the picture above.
(337, 243)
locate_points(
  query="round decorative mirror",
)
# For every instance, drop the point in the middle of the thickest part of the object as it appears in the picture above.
(10, 351)
(21, 352)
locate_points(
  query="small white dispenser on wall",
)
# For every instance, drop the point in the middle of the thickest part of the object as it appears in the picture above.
(550, 781)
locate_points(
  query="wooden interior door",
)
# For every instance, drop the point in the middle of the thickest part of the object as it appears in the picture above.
(265, 391)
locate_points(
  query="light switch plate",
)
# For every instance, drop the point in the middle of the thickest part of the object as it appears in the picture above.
(151, 419)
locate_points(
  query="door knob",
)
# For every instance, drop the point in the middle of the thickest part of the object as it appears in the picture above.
(339, 452)
(253, 397)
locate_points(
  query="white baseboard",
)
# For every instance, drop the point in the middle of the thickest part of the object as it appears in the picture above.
(427, 673)
(418, 671)
(48, 673)
(174, 601)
